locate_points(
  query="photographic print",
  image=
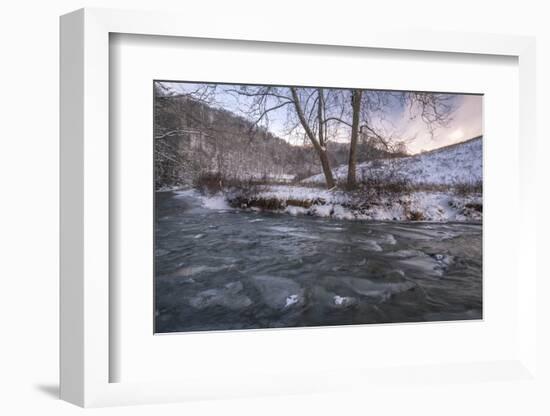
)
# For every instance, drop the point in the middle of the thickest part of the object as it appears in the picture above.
(305, 206)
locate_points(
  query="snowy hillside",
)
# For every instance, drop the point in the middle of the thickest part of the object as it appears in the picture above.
(447, 168)
(460, 163)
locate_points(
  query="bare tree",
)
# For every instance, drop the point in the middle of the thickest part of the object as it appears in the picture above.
(356, 110)
(435, 110)
(356, 120)
(363, 112)
(315, 115)
(197, 139)
(309, 110)
(319, 145)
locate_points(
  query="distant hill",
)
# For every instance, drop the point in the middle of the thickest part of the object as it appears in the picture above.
(460, 163)
(193, 138)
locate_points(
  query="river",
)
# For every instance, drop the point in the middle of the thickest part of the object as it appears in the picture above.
(219, 269)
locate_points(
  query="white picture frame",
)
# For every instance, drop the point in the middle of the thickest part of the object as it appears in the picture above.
(85, 210)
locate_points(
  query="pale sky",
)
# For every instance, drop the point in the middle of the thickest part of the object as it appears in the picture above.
(466, 120)
(466, 123)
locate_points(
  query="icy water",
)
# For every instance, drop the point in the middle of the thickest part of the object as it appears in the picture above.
(221, 269)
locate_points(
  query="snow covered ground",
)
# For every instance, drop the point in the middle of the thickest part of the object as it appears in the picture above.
(418, 206)
(444, 168)
(301, 200)
(459, 164)
(456, 164)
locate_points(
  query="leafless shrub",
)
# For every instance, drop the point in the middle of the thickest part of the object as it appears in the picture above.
(465, 189)
(474, 206)
(210, 182)
(383, 186)
(415, 216)
(214, 182)
(384, 173)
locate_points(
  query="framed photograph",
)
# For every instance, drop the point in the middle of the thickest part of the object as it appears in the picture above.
(287, 206)
(274, 213)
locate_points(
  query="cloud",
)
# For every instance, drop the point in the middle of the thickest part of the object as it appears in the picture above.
(466, 123)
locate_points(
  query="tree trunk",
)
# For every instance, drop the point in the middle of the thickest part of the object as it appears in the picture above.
(326, 168)
(321, 150)
(320, 105)
(356, 108)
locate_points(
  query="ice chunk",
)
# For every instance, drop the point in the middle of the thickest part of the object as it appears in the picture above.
(188, 271)
(387, 239)
(379, 291)
(332, 228)
(291, 300)
(431, 265)
(283, 229)
(344, 301)
(444, 259)
(362, 262)
(229, 296)
(370, 245)
(279, 292)
(326, 298)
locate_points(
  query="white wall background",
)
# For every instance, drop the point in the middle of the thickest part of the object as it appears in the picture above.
(29, 205)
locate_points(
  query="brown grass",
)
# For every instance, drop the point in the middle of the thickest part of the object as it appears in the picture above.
(415, 216)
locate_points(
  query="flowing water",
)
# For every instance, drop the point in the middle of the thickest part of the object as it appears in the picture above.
(220, 269)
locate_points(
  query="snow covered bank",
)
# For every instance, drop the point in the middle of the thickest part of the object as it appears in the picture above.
(357, 205)
(438, 187)
(413, 206)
